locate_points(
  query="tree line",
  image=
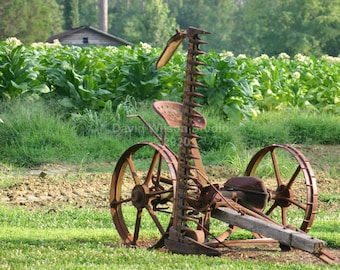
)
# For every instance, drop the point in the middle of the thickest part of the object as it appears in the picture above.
(251, 27)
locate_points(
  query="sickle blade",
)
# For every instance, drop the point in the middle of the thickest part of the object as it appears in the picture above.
(170, 48)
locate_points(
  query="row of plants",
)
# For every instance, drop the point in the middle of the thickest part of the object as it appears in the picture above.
(244, 86)
(81, 78)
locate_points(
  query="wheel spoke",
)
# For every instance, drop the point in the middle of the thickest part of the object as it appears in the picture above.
(276, 168)
(133, 170)
(141, 191)
(137, 226)
(155, 219)
(295, 174)
(114, 203)
(270, 210)
(287, 192)
(152, 167)
(284, 215)
(299, 204)
(156, 181)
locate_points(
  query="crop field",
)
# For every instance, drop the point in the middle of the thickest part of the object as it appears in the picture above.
(238, 86)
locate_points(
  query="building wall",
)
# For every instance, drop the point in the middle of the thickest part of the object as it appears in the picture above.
(88, 37)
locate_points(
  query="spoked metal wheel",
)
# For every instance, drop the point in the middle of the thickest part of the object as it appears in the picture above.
(141, 194)
(290, 182)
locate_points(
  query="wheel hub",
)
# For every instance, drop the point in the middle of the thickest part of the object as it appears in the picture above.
(139, 196)
(282, 194)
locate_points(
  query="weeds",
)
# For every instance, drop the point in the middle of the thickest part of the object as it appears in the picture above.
(34, 133)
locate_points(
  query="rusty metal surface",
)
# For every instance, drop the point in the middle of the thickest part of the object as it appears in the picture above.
(148, 193)
(283, 196)
(171, 112)
(188, 190)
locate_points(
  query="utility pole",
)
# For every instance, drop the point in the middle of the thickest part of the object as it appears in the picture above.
(103, 15)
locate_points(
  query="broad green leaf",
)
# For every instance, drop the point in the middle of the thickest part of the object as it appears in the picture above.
(21, 86)
(67, 102)
(42, 88)
(84, 93)
(233, 111)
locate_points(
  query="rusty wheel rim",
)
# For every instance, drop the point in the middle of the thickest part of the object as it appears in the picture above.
(294, 191)
(142, 198)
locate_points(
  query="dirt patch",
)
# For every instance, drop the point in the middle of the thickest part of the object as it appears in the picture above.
(272, 253)
(54, 191)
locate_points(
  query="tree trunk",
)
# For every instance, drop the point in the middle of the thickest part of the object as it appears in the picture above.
(103, 14)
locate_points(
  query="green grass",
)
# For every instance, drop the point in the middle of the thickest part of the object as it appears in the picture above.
(36, 133)
(33, 134)
(75, 251)
(293, 127)
(86, 239)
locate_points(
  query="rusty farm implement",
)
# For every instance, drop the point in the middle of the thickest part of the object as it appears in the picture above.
(193, 215)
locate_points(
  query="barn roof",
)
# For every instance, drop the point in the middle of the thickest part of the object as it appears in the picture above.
(66, 34)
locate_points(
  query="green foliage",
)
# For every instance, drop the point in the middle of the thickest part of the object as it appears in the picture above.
(227, 87)
(315, 129)
(92, 78)
(30, 21)
(94, 123)
(19, 76)
(33, 133)
(219, 142)
(73, 80)
(88, 13)
(241, 87)
(96, 88)
(265, 130)
(272, 27)
(134, 74)
(295, 127)
(71, 14)
(149, 21)
(244, 27)
(217, 17)
(258, 26)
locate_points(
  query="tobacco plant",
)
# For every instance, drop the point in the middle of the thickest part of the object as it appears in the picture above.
(19, 74)
(237, 87)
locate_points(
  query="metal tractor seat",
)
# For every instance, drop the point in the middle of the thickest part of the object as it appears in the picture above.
(171, 112)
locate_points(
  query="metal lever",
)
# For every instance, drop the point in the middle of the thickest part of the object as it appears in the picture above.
(148, 126)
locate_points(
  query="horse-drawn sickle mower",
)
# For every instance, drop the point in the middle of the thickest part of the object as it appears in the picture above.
(194, 215)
